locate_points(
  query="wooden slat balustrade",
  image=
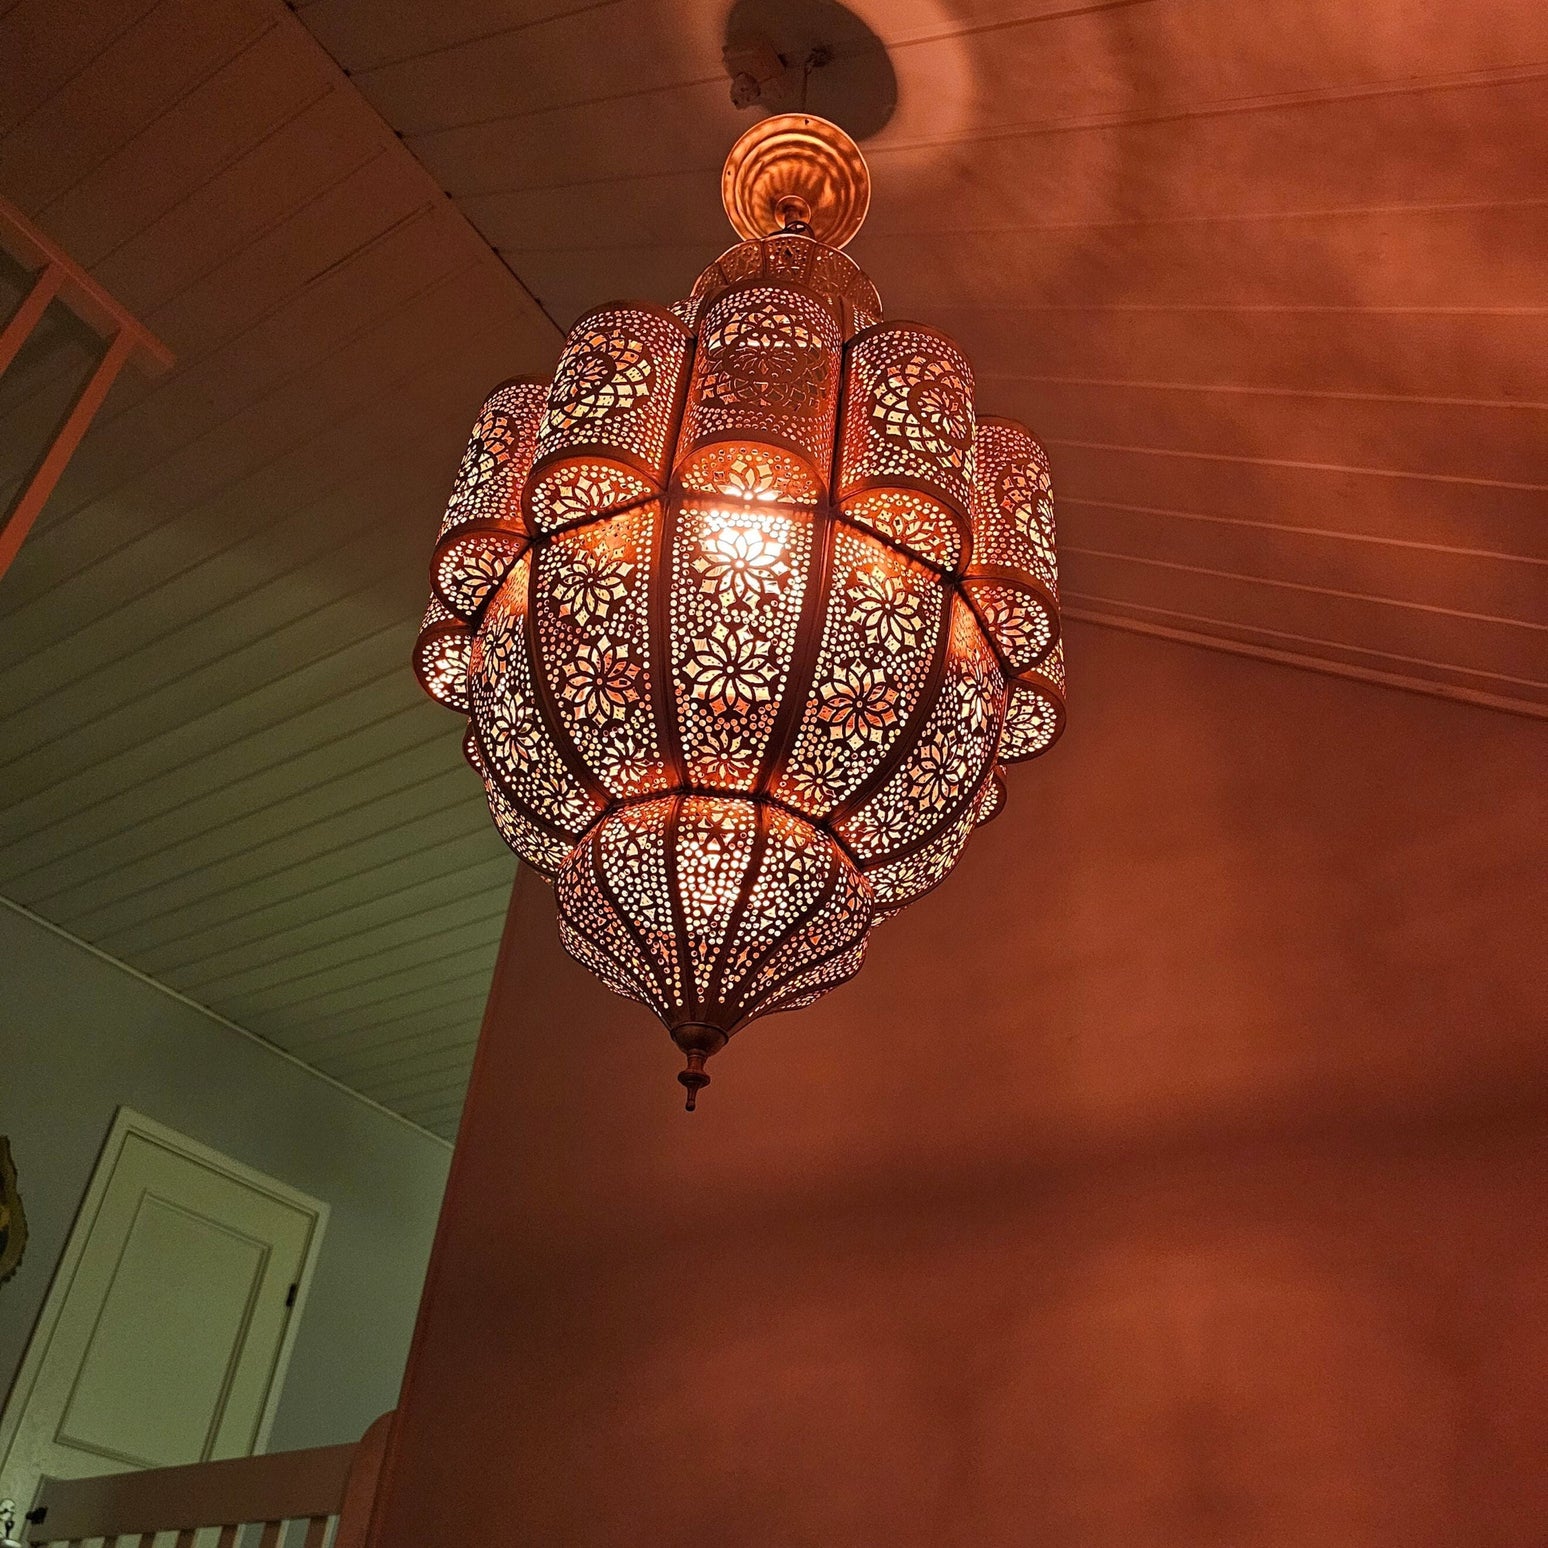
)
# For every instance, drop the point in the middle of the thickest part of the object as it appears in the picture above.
(316, 1487)
(57, 275)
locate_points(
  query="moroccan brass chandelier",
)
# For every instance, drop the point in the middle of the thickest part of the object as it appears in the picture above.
(747, 607)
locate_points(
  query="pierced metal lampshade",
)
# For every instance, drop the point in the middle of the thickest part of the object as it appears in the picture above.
(746, 608)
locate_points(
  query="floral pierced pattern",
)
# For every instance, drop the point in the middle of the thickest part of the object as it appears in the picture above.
(591, 580)
(494, 649)
(608, 430)
(883, 612)
(442, 658)
(938, 771)
(763, 356)
(858, 703)
(814, 784)
(1017, 617)
(897, 883)
(584, 493)
(1014, 576)
(909, 413)
(735, 593)
(601, 681)
(605, 371)
(888, 612)
(765, 379)
(1024, 491)
(483, 532)
(735, 714)
(591, 588)
(1034, 710)
(915, 523)
(720, 756)
(741, 566)
(731, 670)
(839, 280)
(516, 744)
(948, 758)
(488, 448)
(497, 459)
(765, 474)
(924, 401)
(469, 565)
(542, 850)
(906, 442)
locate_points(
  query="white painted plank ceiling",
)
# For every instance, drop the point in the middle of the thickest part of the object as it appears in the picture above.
(215, 764)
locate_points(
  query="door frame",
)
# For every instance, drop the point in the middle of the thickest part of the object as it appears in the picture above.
(127, 1122)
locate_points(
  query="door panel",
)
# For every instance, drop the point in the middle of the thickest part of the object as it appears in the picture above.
(174, 1321)
(164, 1338)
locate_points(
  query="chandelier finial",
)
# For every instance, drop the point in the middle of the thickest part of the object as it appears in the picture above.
(698, 1042)
(796, 166)
(693, 1079)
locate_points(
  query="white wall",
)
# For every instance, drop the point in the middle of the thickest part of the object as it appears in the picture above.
(79, 1037)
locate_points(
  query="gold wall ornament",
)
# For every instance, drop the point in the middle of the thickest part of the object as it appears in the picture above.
(747, 608)
(13, 1218)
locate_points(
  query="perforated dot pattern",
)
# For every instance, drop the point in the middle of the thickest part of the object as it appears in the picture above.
(611, 419)
(1013, 576)
(483, 532)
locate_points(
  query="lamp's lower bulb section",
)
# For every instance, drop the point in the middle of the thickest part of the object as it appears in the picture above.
(713, 910)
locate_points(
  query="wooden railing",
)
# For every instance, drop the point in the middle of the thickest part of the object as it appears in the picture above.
(57, 276)
(289, 1499)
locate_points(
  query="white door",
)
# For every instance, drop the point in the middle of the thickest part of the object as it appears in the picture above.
(166, 1330)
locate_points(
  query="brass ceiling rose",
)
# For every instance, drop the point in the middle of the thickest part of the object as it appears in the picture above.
(796, 169)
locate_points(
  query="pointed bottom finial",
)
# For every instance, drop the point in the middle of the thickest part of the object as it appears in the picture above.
(698, 1042)
(693, 1078)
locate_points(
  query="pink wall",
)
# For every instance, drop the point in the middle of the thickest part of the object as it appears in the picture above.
(1172, 1178)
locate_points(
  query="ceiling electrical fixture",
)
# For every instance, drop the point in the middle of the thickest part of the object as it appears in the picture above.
(746, 608)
